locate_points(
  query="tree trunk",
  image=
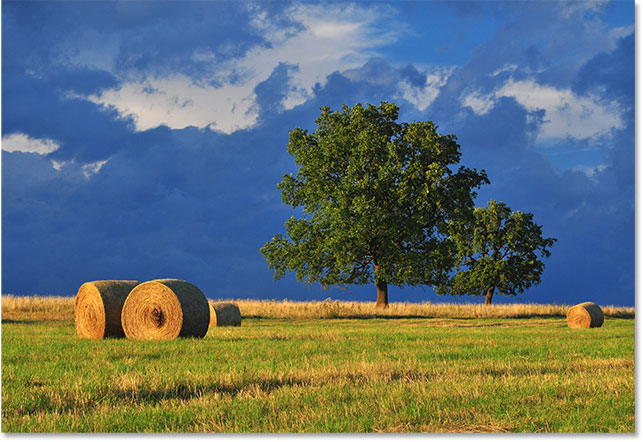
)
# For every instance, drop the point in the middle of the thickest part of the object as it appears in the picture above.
(487, 298)
(382, 291)
(382, 294)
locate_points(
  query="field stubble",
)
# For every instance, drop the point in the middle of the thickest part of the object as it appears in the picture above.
(358, 372)
(61, 308)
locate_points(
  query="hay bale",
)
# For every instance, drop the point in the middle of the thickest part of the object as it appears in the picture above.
(98, 306)
(585, 315)
(164, 309)
(224, 314)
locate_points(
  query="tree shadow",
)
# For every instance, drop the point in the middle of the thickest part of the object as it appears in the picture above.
(185, 390)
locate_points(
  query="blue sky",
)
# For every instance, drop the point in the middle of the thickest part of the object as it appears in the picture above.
(145, 139)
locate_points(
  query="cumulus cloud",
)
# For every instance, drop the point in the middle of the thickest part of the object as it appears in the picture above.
(73, 167)
(90, 169)
(479, 103)
(320, 40)
(198, 205)
(24, 143)
(177, 102)
(422, 97)
(58, 165)
(565, 113)
(19, 142)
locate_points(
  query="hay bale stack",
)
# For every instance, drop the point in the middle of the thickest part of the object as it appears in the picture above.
(165, 309)
(98, 306)
(224, 314)
(585, 315)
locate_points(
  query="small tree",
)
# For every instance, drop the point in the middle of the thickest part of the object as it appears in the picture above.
(497, 250)
(376, 197)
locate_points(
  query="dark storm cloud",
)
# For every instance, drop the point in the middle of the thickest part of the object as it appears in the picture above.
(42, 108)
(413, 75)
(198, 205)
(271, 92)
(610, 74)
(182, 206)
(592, 217)
(149, 37)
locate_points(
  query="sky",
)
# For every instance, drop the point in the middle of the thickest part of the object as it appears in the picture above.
(145, 140)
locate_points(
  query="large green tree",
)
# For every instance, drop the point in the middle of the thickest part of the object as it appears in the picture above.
(376, 196)
(497, 250)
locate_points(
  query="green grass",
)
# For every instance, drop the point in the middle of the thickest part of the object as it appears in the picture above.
(325, 375)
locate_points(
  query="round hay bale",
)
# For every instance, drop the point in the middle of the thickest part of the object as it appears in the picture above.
(98, 306)
(165, 309)
(224, 314)
(585, 315)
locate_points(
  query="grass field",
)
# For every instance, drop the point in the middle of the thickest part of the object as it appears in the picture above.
(324, 369)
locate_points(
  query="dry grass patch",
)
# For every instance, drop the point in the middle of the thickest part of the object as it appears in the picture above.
(251, 308)
(59, 308)
(37, 308)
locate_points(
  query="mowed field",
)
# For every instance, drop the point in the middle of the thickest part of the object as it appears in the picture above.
(324, 367)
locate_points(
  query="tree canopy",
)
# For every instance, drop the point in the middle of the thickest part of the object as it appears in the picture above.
(496, 249)
(377, 196)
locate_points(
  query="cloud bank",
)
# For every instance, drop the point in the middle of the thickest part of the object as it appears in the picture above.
(145, 140)
(316, 42)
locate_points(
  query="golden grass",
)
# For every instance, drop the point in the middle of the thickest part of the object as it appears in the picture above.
(37, 308)
(58, 308)
(340, 309)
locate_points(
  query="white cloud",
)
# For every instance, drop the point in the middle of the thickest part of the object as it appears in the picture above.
(24, 143)
(615, 34)
(58, 165)
(177, 102)
(322, 39)
(479, 103)
(423, 97)
(571, 8)
(505, 68)
(334, 38)
(73, 167)
(566, 114)
(90, 169)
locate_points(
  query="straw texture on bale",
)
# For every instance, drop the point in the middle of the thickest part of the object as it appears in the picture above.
(98, 306)
(585, 315)
(223, 314)
(165, 309)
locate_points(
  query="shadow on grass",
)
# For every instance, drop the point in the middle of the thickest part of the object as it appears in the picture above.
(46, 400)
(19, 321)
(368, 317)
(50, 321)
(518, 316)
(186, 391)
(620, 316)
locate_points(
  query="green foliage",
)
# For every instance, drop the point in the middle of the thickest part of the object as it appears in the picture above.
(376, 198)
(497, 249)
